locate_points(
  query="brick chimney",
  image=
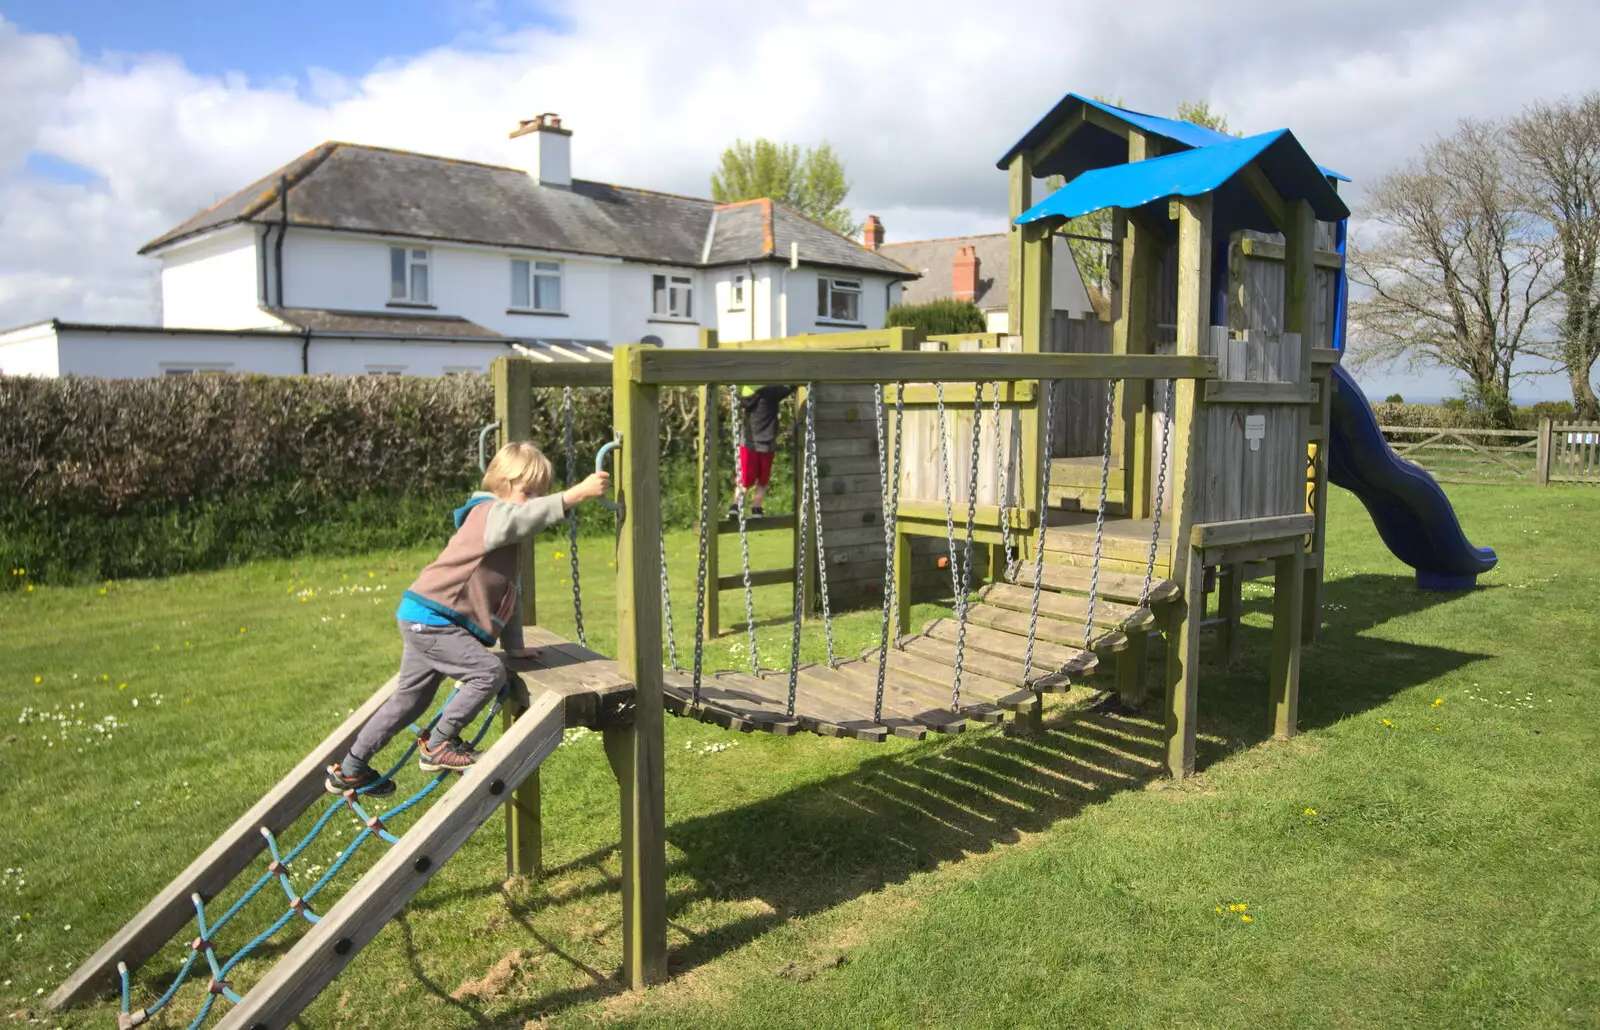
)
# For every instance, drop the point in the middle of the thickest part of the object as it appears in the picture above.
(872, 233)
(552, 149)
(964, 274)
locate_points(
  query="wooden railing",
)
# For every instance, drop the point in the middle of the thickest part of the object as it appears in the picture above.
(1556, 452)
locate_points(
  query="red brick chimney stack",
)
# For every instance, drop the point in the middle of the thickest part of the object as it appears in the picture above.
(872, 233)
(964, 274)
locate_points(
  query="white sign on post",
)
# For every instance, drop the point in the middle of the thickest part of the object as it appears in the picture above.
(1255, 430)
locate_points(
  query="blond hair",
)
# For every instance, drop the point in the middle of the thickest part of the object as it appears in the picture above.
(518, 466)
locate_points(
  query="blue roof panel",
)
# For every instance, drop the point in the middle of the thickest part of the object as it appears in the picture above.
(1193, 172)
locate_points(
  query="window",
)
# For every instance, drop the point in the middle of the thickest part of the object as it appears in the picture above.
(196, 368)
(535, 285)
(462, 370)
(408, 275)
(385, 370)
(736, 292)
(839, 300)
(672, 296)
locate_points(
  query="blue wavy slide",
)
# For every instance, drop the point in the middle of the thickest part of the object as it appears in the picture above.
(1412, 513)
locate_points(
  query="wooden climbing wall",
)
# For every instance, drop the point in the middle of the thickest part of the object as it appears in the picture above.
(851, 493)
(1253, 462)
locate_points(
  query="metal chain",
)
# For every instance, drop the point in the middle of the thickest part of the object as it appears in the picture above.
(572, 518)
(816, 506)
(666, 604)
(1161, 493)
(1002, 471)
(708, 445)
(966, 561)
(1038, 548)
(801, 509)
(737, 418)
(890, 478)
(949, 512)
(1100, 513)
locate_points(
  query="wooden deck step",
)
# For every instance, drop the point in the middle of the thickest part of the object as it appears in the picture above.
(1048, 658)
(1114, 586)
(1057, 631)
(977, 666)
(1067, 607)
(1083, 472)
(1122, 541)
(907, 695)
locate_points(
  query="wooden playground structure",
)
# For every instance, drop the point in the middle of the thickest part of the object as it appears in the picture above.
(1206, 469)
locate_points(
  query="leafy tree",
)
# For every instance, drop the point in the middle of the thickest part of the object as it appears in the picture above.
(1394, 398)
(1199, 112)
(811, 181)
(938, 317)
(1559, 148)
(1456, 267)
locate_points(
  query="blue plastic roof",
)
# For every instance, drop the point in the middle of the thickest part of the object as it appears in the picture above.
(1093, 147)
(1206, 169)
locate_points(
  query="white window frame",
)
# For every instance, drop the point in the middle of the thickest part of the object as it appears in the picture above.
(386, 370)
(194, 368)
(463, 370)
(737, 289)
(409, 260)
(672, 296)
(827, 288)
(526, 273)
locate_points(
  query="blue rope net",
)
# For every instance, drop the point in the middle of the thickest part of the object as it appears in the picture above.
(279, 870)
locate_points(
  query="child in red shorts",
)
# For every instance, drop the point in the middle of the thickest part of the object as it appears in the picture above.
(759, 407)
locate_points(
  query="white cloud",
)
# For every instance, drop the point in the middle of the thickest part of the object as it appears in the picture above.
(919, 99)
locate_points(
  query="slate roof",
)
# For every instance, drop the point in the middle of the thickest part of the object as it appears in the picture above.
(331, 322)
(934, 258)
(354, 188)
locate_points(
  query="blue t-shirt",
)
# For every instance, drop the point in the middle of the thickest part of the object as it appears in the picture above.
(412, 611)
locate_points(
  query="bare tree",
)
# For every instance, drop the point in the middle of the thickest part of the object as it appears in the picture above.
(1559, 146)
(1455, 265)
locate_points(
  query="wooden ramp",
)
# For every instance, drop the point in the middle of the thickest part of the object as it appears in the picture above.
(565, 685)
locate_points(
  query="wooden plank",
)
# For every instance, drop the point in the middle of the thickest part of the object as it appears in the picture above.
(923, 395)
(984, 515)
(1249, 531)
(329, 945)
(1070, 607)
(867, 339)
(1324, 356)
(1019, 199)
(568, 373)
(758, 578)
(682, 367)
(907, 696)
(1057, 631)
(1132, 678)
(636, 751)
(757, 524)
(1221, 392)
(170, 910)
(844, 690)
(1047, 656)
(984, 678)
(1541, 461)
(1265, 194)
(1284, 678)
(916, 677)
(1114, 586)
(1266, 250)
(983, 662)
(1235, 554)
(1230, 602)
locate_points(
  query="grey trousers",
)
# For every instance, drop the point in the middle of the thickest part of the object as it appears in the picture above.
(431, 654)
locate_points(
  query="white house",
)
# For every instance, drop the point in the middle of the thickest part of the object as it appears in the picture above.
(358, 259)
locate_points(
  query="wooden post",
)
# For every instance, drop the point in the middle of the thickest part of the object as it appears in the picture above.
(1317, 504)
(903, 340)
(636, 750)
(1134, 333)
(1288, 587)
(1019, 200)
(1132, 681)
(1230, 601)
(708, 438)
(803, 542)
(1299, 292)
(1541, 461)
(513, 408)
(1184, 615)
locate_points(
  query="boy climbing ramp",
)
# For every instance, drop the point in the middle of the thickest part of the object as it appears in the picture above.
(760, 412)
(463, 602)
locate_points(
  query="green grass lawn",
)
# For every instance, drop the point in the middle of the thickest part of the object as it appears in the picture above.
(1423, 855)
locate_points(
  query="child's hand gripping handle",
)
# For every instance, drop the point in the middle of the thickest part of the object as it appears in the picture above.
(600, 466)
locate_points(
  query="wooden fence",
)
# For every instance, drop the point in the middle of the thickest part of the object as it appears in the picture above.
(1556, 452)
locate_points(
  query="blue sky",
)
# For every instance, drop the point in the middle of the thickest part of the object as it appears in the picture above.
(276, 40)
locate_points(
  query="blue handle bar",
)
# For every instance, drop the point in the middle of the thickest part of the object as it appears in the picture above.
(600, 466)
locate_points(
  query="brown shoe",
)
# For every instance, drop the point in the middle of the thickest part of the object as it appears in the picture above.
(451, 756)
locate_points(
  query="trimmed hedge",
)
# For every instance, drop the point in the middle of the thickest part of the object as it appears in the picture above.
(1458, 415)
(103, 478)
(945, 316)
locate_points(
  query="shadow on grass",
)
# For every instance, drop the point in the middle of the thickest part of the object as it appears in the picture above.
(827, 843)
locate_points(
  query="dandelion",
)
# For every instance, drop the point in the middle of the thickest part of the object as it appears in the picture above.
(102, 591)
(1217, 909)
(1438, 729)
(1247, 919)
(122, 686)
(241, 629)
(1389, 724)
(1311, 811)
(30, 588)
(38, 679)
(1438, 701)
(370, 575)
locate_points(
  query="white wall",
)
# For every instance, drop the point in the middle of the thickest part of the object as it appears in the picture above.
(878, 293)
(632, 318)
(214, 282)
(412, 358)
(125, 355)
(30, 351)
